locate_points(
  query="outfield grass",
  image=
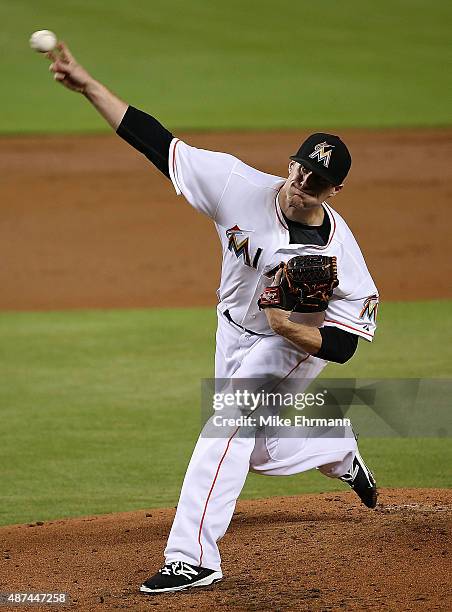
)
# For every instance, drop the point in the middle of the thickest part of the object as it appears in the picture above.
(236, 64)
(100, 409)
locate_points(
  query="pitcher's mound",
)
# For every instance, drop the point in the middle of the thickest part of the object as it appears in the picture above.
(311, 552)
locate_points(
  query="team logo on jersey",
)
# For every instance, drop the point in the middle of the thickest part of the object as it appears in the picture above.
(241, 246)
(322, 154)
(370, 308)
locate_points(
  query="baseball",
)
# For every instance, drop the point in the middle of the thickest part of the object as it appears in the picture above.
(43, 41)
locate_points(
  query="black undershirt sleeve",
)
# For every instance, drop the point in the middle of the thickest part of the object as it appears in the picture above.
(148, 136)
(337, 344)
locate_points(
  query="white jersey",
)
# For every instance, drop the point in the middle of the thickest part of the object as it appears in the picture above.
(243, 203)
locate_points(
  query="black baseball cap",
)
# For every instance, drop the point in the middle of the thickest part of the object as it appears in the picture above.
(326, 155)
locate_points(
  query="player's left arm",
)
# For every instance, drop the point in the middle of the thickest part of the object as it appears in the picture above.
(329, 343)
(348, 316)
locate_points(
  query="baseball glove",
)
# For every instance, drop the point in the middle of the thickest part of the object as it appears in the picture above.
(304, 284)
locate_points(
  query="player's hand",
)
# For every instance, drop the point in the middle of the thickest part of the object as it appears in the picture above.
(66, 69)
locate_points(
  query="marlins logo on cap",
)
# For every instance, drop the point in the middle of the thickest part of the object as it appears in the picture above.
(321, 154)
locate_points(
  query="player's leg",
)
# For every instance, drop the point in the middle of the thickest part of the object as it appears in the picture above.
(215, 476)
(292, 450)
(274, 456)
(335, 458)
(287, 456)
(219, 465)
(212, 483)
(285, 450)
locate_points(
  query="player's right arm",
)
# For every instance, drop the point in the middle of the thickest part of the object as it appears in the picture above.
(73, 76)
(201, 176)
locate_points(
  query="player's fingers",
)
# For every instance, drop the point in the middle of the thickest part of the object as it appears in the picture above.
(51, 56)
(66, 55)
(59, 76)
(59, 66)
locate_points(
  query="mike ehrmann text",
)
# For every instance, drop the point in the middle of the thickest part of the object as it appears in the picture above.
(299, 420)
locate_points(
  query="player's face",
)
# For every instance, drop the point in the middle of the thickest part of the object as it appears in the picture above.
(305, 189)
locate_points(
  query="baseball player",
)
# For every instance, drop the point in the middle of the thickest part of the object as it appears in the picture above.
(263, 223)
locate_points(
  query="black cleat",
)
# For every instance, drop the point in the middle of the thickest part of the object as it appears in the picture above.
(178, 575)
(362, 481)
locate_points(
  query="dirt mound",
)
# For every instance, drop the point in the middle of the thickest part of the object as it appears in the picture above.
(87, 221)
(311, 552)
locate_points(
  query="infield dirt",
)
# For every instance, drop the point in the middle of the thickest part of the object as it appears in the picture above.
(314, 552)
(88, 222)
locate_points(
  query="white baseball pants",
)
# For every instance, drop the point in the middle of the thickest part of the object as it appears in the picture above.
(219, 466)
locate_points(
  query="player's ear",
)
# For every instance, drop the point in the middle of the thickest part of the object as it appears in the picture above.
(291, 165)
(335, 190)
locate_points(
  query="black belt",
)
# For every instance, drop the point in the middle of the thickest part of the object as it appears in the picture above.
(227, 314)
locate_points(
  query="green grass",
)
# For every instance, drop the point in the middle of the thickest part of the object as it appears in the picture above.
(236, 64)
(100, 409)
